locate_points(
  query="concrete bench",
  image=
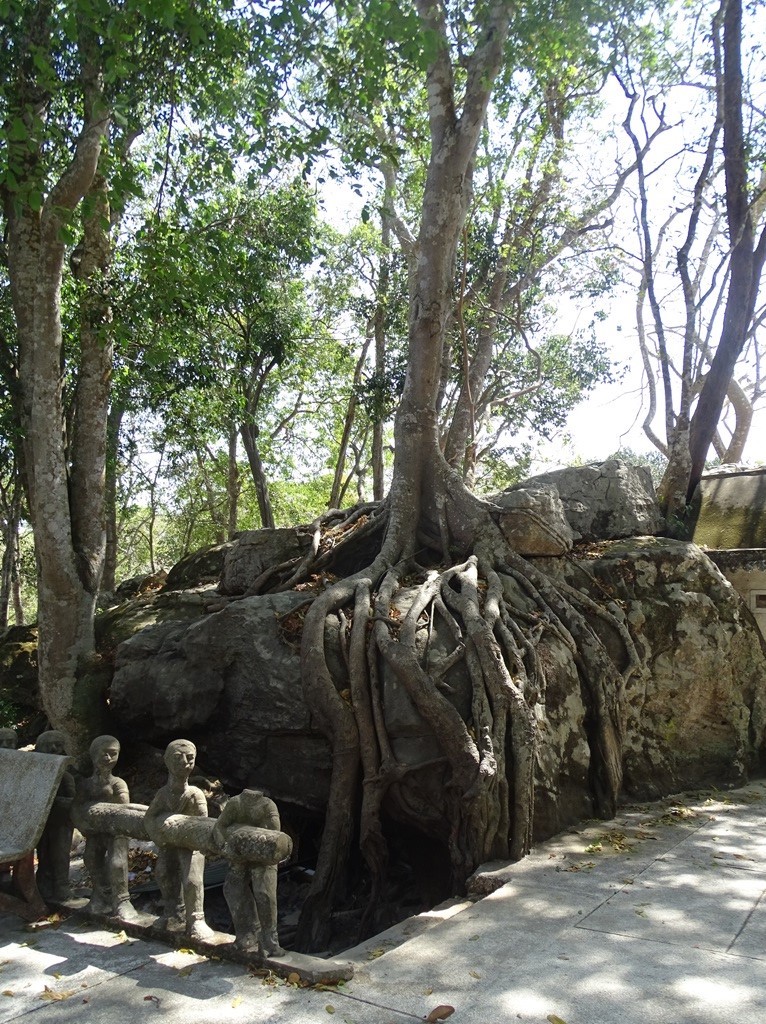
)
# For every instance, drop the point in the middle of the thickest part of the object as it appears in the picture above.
(29, 782)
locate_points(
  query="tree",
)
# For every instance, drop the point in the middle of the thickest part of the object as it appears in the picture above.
(717, 240)
(432, 532)
(79, 82)
(536, 227)
(226, 337)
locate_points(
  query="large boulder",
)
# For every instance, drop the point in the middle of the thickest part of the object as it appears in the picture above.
(605, 500)
(231, 681)
(533, 520)
(18, 667)
(256, 551)
(697, 713)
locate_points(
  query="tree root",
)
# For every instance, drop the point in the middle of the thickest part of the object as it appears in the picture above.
(488, 794)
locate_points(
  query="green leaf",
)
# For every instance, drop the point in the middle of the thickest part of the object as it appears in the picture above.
(18, 130)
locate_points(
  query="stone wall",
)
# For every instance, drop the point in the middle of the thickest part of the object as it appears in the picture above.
(746, 571)
(731, 509)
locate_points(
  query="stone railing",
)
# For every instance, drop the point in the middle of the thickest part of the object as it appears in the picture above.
(255, 847)
(250, 851)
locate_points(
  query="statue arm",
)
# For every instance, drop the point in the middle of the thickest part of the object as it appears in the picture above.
(120, 794)
(158, 808)
(271, 817)
(196, 804)
(223, 821)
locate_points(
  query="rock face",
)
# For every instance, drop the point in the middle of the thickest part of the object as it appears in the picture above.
(231, 682)
(533, 520)
(257, 550)
(698, 712)
(605, 500)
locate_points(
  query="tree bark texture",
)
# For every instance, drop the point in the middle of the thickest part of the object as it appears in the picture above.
(747, 254)
(68, 541)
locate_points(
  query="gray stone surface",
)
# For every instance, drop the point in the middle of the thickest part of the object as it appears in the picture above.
(29, 782)
(678, 941)
(731, 505)
(232, 679)
(257, 550)
(605, 500)
(233, 673)
(698, 711)
(533, 520)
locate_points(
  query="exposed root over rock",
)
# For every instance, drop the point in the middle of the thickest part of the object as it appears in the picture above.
(495, 607)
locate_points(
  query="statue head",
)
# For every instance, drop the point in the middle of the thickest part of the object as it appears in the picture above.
(8, 739)
(51, 742)
(180, 756)
(104, 752)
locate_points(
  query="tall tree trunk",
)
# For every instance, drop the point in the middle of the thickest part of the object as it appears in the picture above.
(747, 256)
(213, 509)
(114, 423)
(249, 434)
(381, 310)
(68, 542)
(232, 484)
(337, 489)
(10, 542)
(454, 137)
(743, 418)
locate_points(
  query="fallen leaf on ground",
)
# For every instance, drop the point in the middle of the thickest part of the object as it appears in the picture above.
(236, 1001)
(439, 1013)
(8, 992)
(330, 1008)
(152, 999)
(553, 1019)
(52, 994)
(293, 978)
(474, 974)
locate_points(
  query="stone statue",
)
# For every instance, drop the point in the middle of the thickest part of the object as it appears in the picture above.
(179, 871)
(55, 845)
(8, 739)
(105, 856)
(250, 890)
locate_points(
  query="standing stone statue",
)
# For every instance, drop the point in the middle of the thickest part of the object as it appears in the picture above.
(179, 870)
(250, 890)
(105, 856)
(55, 845)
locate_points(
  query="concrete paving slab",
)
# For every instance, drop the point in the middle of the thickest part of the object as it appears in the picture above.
(751, 940)
(677, 910)
(682, 942)
(582, 978)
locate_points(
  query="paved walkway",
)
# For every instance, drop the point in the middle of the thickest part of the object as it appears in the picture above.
(657, 916)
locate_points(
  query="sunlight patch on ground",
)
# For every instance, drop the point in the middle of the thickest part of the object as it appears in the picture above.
(706, 991)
